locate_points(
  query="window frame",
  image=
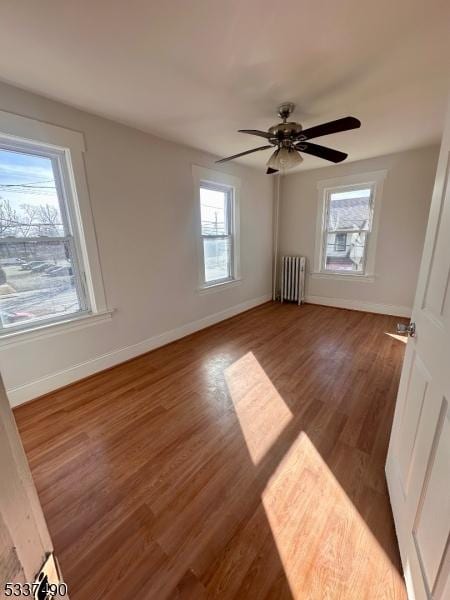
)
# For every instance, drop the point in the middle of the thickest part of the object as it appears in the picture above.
(373, 181)
(65, 148)
(229, 209)
(326, 231)
(70, 236)
(216, 180)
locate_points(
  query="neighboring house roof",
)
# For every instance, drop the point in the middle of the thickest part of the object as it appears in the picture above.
(349, 213)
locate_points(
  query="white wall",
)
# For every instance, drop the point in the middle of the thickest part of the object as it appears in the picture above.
(141, 191)
(403, 219)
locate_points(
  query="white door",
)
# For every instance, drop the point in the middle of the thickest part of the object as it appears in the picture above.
(418, 463)
(25, 543)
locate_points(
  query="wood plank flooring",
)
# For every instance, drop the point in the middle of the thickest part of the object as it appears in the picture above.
(244, 461)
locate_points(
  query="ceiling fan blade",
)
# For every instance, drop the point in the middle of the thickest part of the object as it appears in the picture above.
(271, 171)
(321, 151)
(243, 153)
(343, 124)
(263, 134)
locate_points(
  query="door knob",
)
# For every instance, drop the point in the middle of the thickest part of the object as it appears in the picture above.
(409, 329)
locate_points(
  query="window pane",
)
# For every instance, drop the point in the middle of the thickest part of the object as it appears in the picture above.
(36, 282)
(349, 219)
(213, 207)
(340, 242)
(348, 254)
(217, 253)
(349, 210)
(29, 204)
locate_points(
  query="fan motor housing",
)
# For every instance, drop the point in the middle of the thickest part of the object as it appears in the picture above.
(285, 130)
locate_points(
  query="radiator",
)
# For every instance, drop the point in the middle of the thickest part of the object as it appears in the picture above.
(293, 278)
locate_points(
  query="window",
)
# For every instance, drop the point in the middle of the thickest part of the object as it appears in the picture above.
(40, 275)
(340, 242)
(49, 265)
(216, 214)
(347, 225)
(217, 198)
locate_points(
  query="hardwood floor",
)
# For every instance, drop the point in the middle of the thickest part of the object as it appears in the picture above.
(244, 461)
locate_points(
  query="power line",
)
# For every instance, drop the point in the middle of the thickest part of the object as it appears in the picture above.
(28, 183)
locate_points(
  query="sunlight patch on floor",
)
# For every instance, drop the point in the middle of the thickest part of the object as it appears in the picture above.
(400, 338)
(313, 500)
(261, 411)
(303, 496)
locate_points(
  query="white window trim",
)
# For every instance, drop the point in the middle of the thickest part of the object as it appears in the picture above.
(200, 175)
(221, 285)
(50, 329)
(375, 180)
(71, 143)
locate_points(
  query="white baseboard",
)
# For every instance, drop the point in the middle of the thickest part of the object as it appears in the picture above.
(38, 387)
(384, 309)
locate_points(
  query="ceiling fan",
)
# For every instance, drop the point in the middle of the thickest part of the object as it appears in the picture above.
(289, 139)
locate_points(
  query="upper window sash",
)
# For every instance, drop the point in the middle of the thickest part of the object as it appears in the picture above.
(61, 177)
(228, 209)
(353, 188)
(59, 159)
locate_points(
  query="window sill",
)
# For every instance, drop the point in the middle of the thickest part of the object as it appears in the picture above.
(217, 287)
(368, 278)
(39, 332)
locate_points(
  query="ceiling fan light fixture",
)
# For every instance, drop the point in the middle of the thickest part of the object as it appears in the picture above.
(288, 139)
(284, 158)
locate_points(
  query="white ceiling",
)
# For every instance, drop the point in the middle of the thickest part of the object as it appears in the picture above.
(195, 71)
